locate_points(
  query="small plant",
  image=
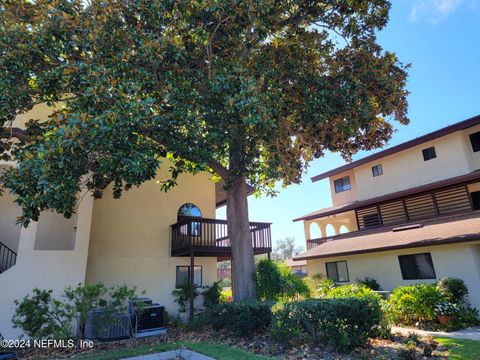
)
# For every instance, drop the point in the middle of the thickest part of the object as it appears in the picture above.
(369, 282)
(454, 290)
(446, 309)
(183, 295)
(212, 295)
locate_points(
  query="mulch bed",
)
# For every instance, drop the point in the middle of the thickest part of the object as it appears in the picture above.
(398, 347)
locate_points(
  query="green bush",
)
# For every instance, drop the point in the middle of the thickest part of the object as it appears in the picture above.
(240, 318)
(415, 303)
(454, 290)
(342, 323)
(277, 282)
(322, 286)
(352, 291)
(369, 282)
(212, 295)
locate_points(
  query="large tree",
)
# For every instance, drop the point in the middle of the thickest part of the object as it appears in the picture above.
(249, 90)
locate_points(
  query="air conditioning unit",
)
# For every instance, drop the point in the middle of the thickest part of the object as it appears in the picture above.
(119, 329)
(150, 318)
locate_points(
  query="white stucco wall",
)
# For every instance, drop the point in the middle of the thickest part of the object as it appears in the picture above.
(459, 261)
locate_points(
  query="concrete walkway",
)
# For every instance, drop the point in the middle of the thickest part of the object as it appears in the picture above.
(172, 355)
(472, 333)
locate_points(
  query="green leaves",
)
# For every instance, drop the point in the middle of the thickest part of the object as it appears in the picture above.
(261, 87)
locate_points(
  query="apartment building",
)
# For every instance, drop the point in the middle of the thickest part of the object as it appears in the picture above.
(406, 214)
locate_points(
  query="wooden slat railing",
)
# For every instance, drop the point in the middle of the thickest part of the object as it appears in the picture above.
(209, 237)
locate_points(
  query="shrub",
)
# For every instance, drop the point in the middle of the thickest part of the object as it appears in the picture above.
(454, 290)
(342, 323)
(269, 281)
(240, 318)
(370, 283)
(352, 291)
(323, 286)
(212, 295)
(415, 303)
(276, 282)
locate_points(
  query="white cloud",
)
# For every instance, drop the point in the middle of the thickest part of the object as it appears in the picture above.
(438, 10)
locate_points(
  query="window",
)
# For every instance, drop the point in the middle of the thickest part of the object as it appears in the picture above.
(183, 274)
(475, 141)
(377, 170)
(475, 199)
(342, 184)
(429, 153)
(417, 266)
(371, 220)
(337, 271)
(185, 212)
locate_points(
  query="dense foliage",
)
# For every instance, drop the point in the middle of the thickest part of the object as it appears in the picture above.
(343, 323)
(42, 316)
(369, 282)
(276, 282)
(352, 291)
(415, 303)
(240, 318)
(212, 296)
(454, 290)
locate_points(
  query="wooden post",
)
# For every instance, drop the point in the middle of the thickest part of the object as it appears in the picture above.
(192, 283)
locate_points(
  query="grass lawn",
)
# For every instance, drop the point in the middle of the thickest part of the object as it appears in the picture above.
(461, 349)
(217, 351)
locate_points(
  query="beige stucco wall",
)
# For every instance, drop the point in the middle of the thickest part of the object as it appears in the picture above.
(344, 196)
(460, 261)
(130, 240)
(407, 168)
(346, 219)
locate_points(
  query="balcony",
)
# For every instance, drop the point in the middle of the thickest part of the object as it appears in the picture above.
(209, 237)
(8, 258)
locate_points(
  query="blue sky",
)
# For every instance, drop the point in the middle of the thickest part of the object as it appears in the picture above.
(441, 39)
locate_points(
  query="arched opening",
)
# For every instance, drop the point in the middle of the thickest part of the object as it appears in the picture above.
(330, 230)
(343, 229)
(185, 212)
(315, 232)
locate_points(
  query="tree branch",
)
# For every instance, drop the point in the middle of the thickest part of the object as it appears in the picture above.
(219, 169)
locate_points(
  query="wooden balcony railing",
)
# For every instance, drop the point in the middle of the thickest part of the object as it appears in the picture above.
(209, 237)
(315, 242)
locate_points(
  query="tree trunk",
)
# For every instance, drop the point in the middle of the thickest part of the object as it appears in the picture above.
(239, 233)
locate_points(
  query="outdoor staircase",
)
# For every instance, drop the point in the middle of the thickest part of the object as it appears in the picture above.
(8, 257)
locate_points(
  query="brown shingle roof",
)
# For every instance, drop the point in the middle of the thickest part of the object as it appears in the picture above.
(292, 262)
(406, 145)
(470, 177)
(446, 230)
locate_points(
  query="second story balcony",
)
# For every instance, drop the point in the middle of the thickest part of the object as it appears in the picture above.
(209, 237)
